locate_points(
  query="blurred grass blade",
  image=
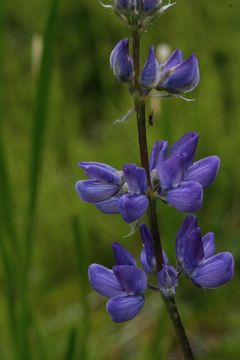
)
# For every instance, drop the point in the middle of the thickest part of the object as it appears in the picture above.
(71, 345)
(10, 286)
(40, 114)
(6, 203)
(82, 256)
(39, 129)
(160, 341)
(39, 346)
(6, 210)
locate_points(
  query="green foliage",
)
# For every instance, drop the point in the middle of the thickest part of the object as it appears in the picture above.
(65, 319)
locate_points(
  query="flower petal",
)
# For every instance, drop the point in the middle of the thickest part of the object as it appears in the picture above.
(193, 252)
(132, 280)
(109, 206)
(84, 164)
(102, 173)
(214, 271)
(187, 197)
(158, 154)
(168, 280)
(151, 5)
(150, 73)
(189, 223)
(122, 255)
(147, 255)
(187, 146)
(145, 263)
(132, 207)
(184, 78)
(208, 241)
(93, 191)
(204, 171)
(171, 171)
(121, 62)
(103, 280)
(122, 308)
(122, 4)
(136, 178)
(174, 59)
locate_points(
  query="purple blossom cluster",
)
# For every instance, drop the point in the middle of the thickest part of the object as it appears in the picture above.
(115, 192)
(175, 76)
(176, 180)
(125, 284)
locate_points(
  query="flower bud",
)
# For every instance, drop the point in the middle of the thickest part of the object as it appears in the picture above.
(125, 5)
(151, 5)
(168, 280)
(150, 76)
(174, 76)
(138, 12)
(121, 62)
(139, 7)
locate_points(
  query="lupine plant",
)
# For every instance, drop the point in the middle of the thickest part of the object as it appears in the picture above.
(170, 176)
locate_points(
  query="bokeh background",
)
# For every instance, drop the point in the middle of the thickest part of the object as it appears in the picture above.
(58, 101)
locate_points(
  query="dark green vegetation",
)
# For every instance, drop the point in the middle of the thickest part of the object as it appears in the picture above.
(57, 114)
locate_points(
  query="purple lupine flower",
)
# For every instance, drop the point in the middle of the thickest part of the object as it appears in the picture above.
(113, 191)
(105, 182)
(125, 285)
(121, 62)
(168, 276)
(140, 7)
(174, 76)
(177, 179)
(197, 259)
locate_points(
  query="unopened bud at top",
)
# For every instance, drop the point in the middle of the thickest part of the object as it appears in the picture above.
(137, 6)
(121, 62)
(138, 12)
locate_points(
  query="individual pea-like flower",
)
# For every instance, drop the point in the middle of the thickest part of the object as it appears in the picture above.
(121, 62)
(113, 191)
(175, 76)
(167, 277)
(124, 285)
(197, 259)
(178, 180)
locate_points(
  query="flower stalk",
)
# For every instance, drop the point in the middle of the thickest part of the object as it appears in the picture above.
(140, 109)
(172, 310)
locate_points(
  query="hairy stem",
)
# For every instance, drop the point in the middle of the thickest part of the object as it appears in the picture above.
(140, 109)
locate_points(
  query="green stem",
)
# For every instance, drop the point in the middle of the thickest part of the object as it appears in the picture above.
(140, 109)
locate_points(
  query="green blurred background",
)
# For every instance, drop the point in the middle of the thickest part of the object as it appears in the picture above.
(59, 111)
